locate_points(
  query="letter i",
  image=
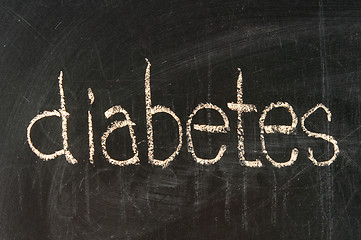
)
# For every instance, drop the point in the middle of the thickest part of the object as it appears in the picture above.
(90, 128)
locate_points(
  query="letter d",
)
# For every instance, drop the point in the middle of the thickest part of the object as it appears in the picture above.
(63, 114)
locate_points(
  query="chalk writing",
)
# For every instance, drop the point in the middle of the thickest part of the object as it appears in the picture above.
(150, 110)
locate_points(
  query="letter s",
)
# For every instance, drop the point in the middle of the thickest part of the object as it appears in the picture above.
(326, 137)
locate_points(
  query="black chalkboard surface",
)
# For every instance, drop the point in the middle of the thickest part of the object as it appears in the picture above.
(180, 119)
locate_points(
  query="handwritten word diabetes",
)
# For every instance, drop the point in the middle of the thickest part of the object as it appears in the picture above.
(150, 110)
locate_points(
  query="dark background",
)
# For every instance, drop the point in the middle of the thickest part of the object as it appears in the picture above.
(301, 52)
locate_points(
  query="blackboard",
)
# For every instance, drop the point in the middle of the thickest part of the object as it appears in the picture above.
(292, 62)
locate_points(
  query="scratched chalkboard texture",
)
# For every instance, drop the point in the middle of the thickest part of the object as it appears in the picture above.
(300, 52)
